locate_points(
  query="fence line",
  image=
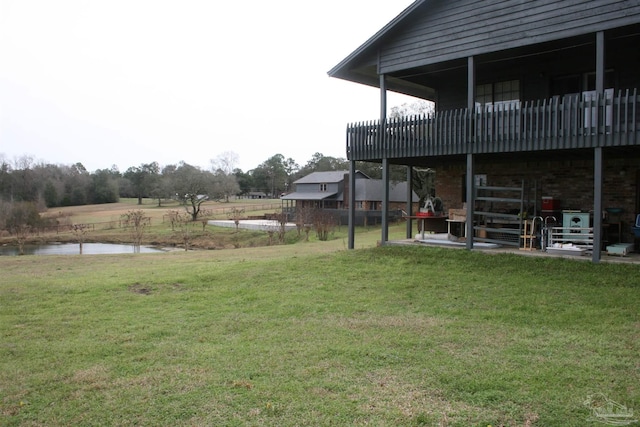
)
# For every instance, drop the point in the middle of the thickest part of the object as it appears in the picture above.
(113, 224)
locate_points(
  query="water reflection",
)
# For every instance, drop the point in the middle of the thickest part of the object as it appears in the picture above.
(74, 249)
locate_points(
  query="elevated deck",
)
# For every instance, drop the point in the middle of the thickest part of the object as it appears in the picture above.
(566, 123)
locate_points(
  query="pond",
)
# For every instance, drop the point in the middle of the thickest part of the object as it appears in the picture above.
(74, 249)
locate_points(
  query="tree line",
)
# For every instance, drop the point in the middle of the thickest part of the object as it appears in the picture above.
(37, 185)
(52, 185)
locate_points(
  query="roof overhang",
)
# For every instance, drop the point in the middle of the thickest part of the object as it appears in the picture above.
(308, 196)
(361, 65)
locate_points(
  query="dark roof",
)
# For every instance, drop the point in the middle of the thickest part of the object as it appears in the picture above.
(326, 177)
(366, 190)
(322, 177)
(418, 50)
(345, 69)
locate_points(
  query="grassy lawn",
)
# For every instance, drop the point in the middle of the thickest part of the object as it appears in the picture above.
(311, 334)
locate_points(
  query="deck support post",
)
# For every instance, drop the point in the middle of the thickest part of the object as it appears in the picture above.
(597, 156)
(470, 196)
(470, 200)
(384, 238)
(352, 203)
(597, 205)
(409, 207)
(385, 202)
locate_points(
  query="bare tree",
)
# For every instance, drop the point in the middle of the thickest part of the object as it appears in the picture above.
(185, 228)
(23, 218)
(324, 222)
(225, 162)
(271, 228)
(173, 216)
(136, 221)
(22, 233)
(225, 186)
(276, 226)
(80, 231)
(204, 216)
(236, 214)
(226, 182)
(304, 220)
(412, 109)
(281, 218)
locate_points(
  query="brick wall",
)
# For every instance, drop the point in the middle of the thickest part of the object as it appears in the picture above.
(570, 181)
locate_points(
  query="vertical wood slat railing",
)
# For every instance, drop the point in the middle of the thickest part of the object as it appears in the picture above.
(550, 124)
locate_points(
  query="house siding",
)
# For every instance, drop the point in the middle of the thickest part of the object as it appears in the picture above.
(332, 187)
(445, 30)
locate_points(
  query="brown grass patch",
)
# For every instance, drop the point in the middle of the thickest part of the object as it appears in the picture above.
(391, 394)
(139, 288)
(91, 375)
(147, 289)
(407, 322)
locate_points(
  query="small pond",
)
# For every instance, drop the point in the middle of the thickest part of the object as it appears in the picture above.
(74, 249)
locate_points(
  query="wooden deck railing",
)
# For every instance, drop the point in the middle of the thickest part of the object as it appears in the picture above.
(553, 124)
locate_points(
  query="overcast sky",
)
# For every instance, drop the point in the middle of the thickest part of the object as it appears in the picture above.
(126, 82)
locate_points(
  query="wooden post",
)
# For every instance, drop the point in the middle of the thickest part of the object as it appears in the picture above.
(409, 201)
(471, 102)
(597, 152)
(385, 161)
(352, 203)
(385, 201)
(470, 200)
(597, 204)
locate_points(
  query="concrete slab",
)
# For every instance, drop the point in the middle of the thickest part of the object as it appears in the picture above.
(445, 239)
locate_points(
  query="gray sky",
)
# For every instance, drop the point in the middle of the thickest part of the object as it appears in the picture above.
(125, 82)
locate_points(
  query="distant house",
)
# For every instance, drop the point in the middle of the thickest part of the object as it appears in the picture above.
(330, 190)
(257, 195)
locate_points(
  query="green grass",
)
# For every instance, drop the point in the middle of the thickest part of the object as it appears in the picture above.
(309, 334)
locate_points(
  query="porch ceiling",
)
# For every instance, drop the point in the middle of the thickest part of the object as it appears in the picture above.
(435, 75)
(424, 81)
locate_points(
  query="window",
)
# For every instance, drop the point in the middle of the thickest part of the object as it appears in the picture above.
(577, 83)
(359, 205)
(506, 91)
(323, 187)
(498, 104)
(498, 93)
(581, 88)
(484, 94)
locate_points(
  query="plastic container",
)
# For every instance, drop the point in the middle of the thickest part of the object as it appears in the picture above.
(550, 204)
